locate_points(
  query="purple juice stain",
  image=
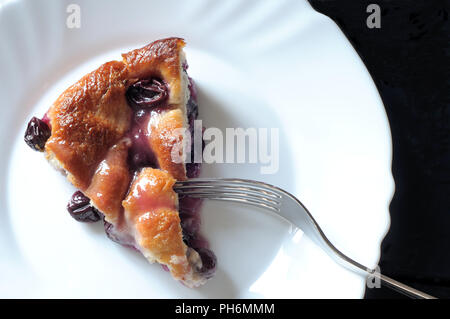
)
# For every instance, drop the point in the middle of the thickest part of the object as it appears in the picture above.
(193, 169)
(140, 154)
(189, 205)
(190, 224)
(118, 236)
(165, 267)
(46, 120)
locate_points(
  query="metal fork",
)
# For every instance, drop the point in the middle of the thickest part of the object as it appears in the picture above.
(286, 205)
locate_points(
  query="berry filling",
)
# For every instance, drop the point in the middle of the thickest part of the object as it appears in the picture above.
(140, 154)
(147, 93)
(192, 169)
(37, 134)
(189, 209)
(209, 262)
(144, 97)
(80, 209)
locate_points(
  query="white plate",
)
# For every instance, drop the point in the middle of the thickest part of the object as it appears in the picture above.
(257, 64)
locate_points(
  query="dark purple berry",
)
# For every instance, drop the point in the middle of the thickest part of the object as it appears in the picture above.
(80, 208)
(147, 94)
(209, 261)
(37, 134)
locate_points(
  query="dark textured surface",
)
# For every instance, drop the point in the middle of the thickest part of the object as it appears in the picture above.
(408, 58)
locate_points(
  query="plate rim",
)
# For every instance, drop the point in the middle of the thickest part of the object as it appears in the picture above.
(380, 102)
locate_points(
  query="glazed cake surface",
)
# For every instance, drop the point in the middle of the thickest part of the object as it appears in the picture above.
(119, 155)
(92, 115)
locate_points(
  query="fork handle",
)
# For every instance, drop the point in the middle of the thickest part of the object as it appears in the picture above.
(387, 281)
(402, 288)
(356, 266)
(320, 238)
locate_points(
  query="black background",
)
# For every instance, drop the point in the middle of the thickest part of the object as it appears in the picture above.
(408, 58)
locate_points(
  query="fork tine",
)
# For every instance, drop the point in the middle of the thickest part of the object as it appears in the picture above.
(254, 186)
(270, 197)
(187, 189)
(237, 190)
(234, 198)
(230, 193)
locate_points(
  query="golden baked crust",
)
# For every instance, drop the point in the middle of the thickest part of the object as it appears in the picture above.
(151, 211)
(110, 182)
(90, 126)
(93, 114)
(165, 139)
(151, 206)
(159, 59)
(86, 120)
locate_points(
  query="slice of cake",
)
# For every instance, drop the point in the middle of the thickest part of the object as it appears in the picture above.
(114, 133)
